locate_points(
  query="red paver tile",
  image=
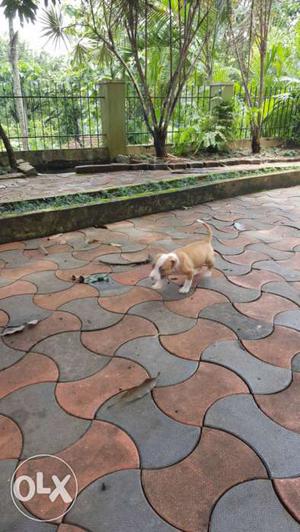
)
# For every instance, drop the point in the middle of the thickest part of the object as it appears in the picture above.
(38, 253)
(192, 305)
(82, 398)
(11, 246)
(188, 401)
(240, 241)
(10, 439)
(4, 318)
(121, 303)
(278, 348)
(286, 244)
(254, 279)
(288, 490)
(284, 407)
(89, 269)
(185, 493)
(17, 288)
(103, 449)
(192, 343)
(266, 307)
(57, 299)
(293, 263)
(247, 257)
(31, 369)
(133, 275)
(57, 322)
(107, 341)
(13, 274)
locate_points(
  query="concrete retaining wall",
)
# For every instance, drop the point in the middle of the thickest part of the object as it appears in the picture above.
(49, 222)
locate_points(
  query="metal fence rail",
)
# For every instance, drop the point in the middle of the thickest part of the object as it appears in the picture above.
(59, 117)
(278, 109)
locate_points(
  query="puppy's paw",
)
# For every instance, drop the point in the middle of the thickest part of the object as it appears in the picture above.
(157, 286)
(208, 273)
(184, 290)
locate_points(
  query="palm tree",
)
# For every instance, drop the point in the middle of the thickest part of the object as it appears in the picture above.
(171, 33)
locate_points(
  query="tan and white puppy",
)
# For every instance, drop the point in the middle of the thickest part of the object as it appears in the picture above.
(188, 261)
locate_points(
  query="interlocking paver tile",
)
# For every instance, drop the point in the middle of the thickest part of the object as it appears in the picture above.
(255, 279)
(190, 306)
(290, 318)
(272, 252)
(31, 369)
(166, 321)
(266, 307)
(57, 322)
(278, 447)
(83, 397)
(188, 401)
(283, 289)
(283, 407)
(184, 493)
(236, 294)
(96, 507)
(288, 489)
(245, 328)
(8, 275)
(192, 343)
(260, 376)
(74, 361)
(229, 268)
(10, 439)
(8, 356)
(11, 519)
(55, 300)
(91, 315)
(150, 428)
(122, 302)
(205, 435)
(278, 267)
(45, 426)
(21, 309)
(47, 282)
(278, 348)
(128, 328)
(89, 269)
(254, 506)
(103, 449)
(151, 355)
(17, 288)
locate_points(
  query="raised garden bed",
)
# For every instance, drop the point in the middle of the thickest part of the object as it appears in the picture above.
(30, 219)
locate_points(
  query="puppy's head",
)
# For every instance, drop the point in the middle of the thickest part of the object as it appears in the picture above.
(163, 266)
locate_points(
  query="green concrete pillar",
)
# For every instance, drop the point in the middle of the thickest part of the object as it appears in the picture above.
(223, 90)
(113, 116)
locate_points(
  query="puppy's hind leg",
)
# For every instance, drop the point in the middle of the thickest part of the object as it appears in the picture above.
(210, 262)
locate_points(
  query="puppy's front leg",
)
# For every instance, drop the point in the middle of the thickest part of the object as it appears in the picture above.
(186, 287)
(159, 285)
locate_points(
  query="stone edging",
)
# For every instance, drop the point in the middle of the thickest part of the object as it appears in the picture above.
(47, 222)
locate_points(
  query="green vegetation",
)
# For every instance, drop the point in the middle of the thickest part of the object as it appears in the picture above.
(106, 195)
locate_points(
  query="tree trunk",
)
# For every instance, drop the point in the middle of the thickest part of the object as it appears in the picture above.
(20, 106)
(255, 140)
(160, 137)
(9, 149)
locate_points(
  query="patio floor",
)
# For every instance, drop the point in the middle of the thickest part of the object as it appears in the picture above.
(215, 445)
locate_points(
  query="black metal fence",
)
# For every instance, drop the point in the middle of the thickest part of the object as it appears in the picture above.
(69, 116)
(280, 104)
(58, 117)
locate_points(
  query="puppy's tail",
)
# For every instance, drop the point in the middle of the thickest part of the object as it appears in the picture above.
(210, 234)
